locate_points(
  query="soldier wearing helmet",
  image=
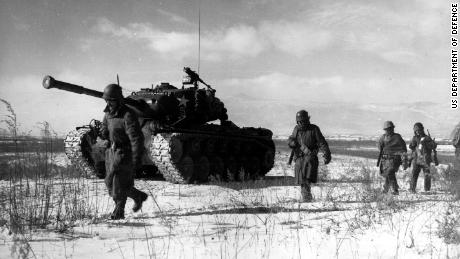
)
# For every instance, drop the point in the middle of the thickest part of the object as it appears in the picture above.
(422, 147)
(306, 140)
(121, 128)
(392, 148)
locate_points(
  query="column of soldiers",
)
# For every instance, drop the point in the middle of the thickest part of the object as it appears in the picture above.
(393, 154)
(122, 130)
(307, 140)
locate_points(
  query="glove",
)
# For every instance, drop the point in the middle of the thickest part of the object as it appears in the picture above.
(405, 161)
(293, 143)
(106, 143)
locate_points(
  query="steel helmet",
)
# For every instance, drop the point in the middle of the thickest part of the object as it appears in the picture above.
(112, 92)
(302, 115)
(388, 124)
(418, 126)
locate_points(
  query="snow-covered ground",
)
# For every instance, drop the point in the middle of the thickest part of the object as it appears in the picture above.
(349, 218)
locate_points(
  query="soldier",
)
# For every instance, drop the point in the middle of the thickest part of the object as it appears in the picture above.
(121, 128)
(422, 146)
(392, 148)
(306, 140)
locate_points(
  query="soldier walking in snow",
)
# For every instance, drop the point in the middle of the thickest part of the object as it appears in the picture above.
(422, 147)
(121, 128)
(306, 140)
(392, 149)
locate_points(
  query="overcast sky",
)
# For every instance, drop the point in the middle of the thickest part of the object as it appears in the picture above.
(311, 51)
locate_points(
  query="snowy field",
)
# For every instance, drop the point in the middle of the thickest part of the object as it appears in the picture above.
(349, 218)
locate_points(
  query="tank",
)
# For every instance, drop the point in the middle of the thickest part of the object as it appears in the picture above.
(188, 136)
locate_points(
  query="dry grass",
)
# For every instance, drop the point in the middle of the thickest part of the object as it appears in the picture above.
(42, 195)
(39, 193)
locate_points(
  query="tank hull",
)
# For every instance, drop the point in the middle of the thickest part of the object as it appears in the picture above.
(206, 153)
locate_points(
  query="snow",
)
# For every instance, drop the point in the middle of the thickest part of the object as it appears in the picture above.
(349, 218)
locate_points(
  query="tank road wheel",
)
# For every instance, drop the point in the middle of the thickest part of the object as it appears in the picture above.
(176, 150)
(186, 166)
(217, 169)
(201, 169)
(194, 146)
(210, 147)
(243, 172)
(254, 168)
(236, 148)
(268, 160)
(231, 167)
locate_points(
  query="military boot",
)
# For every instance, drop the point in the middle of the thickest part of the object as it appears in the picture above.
(427, 182)
(413, 185)
(306, 193)
(119, 211)
(395, 186)
(140, 198)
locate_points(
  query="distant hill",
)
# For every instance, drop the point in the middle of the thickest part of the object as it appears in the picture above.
(342, 118)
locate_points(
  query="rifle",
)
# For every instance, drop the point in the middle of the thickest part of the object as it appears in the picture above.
(291, 157)
(304, 150)
(435, 153)
(380, 157)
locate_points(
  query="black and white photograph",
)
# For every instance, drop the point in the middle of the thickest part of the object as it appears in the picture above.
(229, 129)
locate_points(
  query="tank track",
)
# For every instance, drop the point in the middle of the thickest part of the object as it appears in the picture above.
(161, 154)
(200, 157)
(74, 146)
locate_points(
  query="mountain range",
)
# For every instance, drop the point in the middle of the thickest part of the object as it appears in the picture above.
(341, 118)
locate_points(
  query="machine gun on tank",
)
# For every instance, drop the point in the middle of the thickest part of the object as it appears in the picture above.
(194, 78)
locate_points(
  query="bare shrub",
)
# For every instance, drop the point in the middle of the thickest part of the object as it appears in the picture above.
(39, 193)
(449, 180)
(447, 226)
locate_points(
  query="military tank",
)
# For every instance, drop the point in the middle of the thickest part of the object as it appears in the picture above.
(188, 136)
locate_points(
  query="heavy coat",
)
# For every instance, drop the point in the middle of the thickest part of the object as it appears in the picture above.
(422, 146)
(306, 143)
(392, 146)
(124, 133)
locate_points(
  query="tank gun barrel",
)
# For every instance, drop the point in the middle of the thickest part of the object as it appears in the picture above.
(50, 82)
(140, 107)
